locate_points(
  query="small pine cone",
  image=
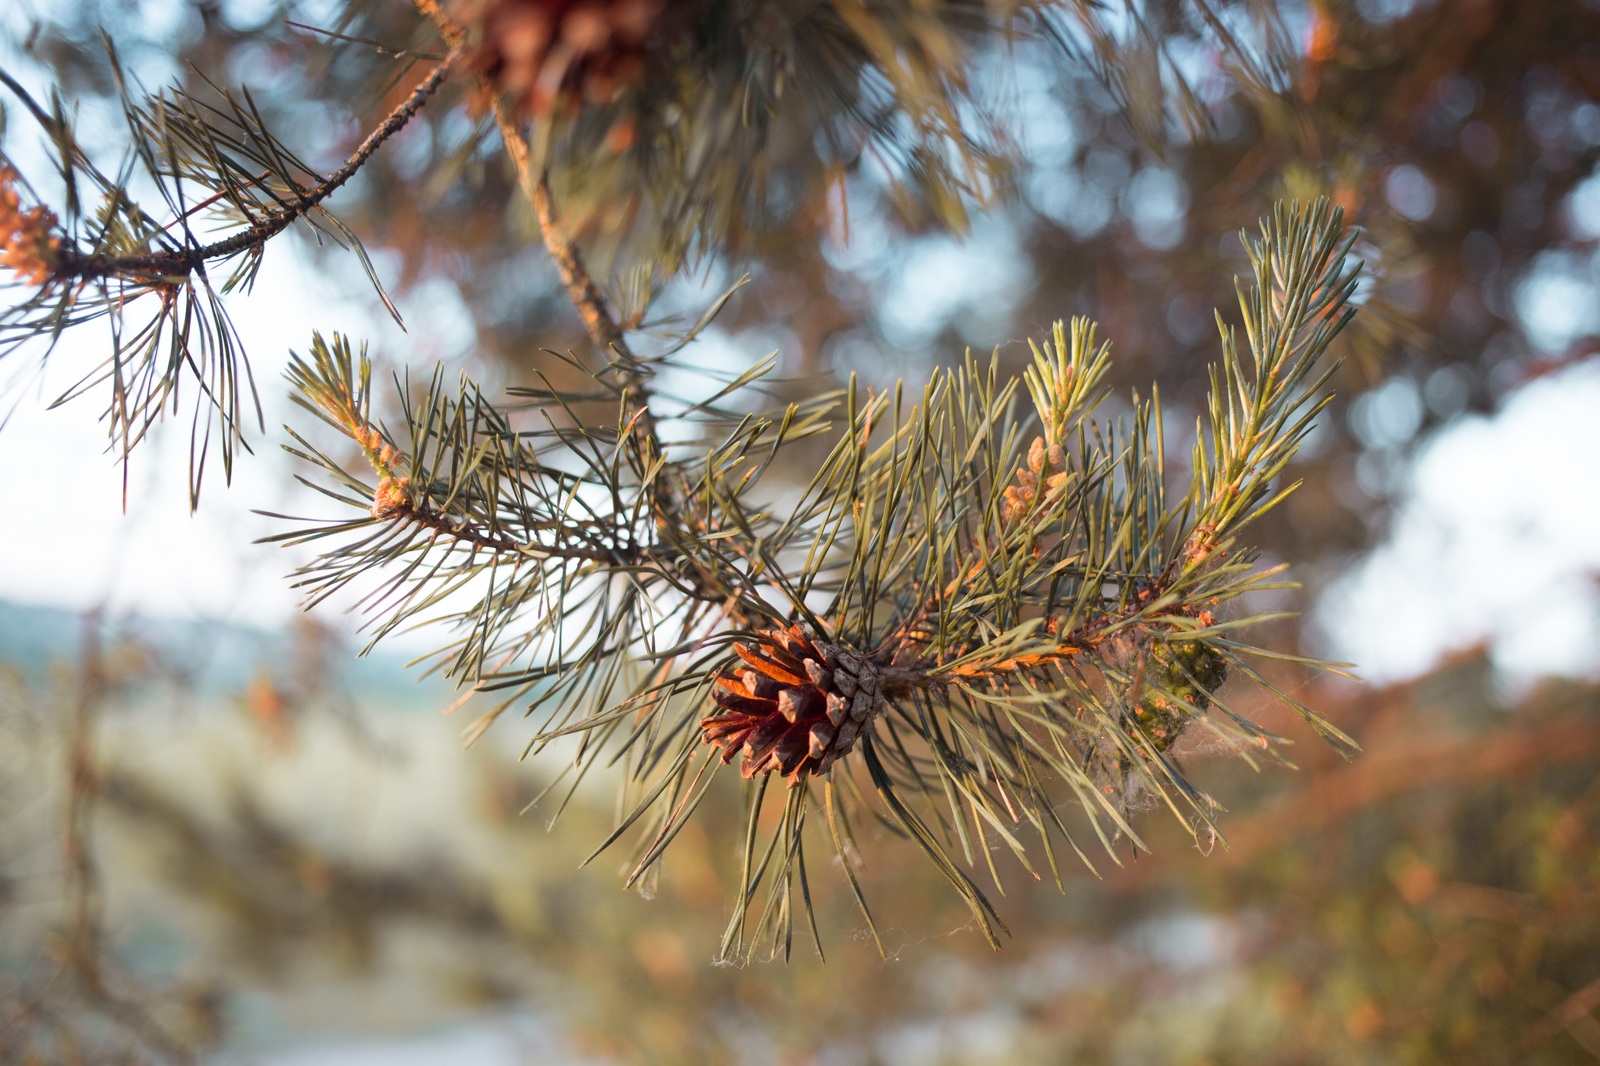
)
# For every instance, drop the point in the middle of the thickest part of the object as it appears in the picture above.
(1168, 669)
(545, 52)
(797, 706)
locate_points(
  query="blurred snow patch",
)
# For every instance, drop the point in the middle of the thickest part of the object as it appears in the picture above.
(507, 1040)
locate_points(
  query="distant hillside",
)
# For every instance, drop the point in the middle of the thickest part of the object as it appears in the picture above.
(214, 657)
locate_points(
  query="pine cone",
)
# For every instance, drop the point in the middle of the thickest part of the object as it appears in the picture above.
(798, 706)
(583, 51)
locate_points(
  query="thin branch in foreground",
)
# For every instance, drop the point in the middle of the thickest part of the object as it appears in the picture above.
(74, 265)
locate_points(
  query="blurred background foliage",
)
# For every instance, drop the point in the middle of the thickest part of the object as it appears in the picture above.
(255, 869)
(197, 862)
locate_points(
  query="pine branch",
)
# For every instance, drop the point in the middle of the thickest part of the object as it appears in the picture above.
(530, 517)
(598, 320)
(585, 295)
(777, 91)
(581, 289)
(670, 489)
(1002, 628)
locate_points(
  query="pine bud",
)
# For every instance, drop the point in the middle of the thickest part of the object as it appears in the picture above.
(27, 243)
(1042, 479)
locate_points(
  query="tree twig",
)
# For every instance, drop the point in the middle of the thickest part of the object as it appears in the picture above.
(443, 525)
(83, 950)
(598, 321)
(83, 940)
(1570, 1014)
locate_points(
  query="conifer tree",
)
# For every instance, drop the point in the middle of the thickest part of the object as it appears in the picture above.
(988, 617)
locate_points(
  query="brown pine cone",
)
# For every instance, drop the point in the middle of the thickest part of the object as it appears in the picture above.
(542, 52)
(798, 706)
